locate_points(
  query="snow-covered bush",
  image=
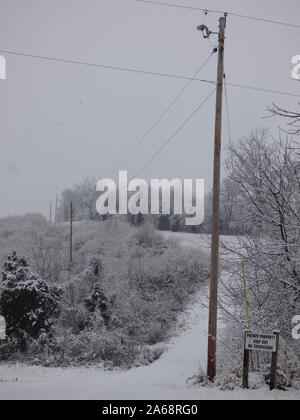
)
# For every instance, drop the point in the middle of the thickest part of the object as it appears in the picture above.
(27, 303)
(96, 304)
(114, 349)
(74, 319)
(79, 288)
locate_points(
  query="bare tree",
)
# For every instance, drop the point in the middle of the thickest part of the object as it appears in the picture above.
(266, 176)
(292, 117)
(47, 254)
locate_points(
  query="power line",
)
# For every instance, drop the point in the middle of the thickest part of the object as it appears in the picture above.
(161, 116)
(260, 19)
(145, 72)
(102, 66)
(177, 6)
(258, 89)
(170, 139)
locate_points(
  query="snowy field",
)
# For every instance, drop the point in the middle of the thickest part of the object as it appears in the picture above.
(166, 379)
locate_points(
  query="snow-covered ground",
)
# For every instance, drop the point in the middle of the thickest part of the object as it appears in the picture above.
(166, 379)
(203, 242)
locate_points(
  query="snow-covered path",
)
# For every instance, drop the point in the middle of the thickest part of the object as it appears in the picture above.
(166, 379)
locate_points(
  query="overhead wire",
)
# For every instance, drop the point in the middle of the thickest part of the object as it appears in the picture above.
(172, 137)
(243, 16)
(146, 72)
(160, 118)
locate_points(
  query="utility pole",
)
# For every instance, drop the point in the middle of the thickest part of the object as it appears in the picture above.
(56, 206)
(50, 212)
(215, 241)
(71, 237)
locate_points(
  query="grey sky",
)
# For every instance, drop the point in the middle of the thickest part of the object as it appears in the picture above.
(62, 123)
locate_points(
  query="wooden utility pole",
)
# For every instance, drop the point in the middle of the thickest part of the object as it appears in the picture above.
(50, 212)
(56, 207)
(71, 237)
(213, 304)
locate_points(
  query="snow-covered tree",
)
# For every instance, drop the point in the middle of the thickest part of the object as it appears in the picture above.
(97, 303)
(27, 303)
(266, 176)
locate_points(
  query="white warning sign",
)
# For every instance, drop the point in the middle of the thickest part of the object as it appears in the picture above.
(261, 342)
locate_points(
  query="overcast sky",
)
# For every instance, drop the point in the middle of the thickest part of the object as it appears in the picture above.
(61, 123)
